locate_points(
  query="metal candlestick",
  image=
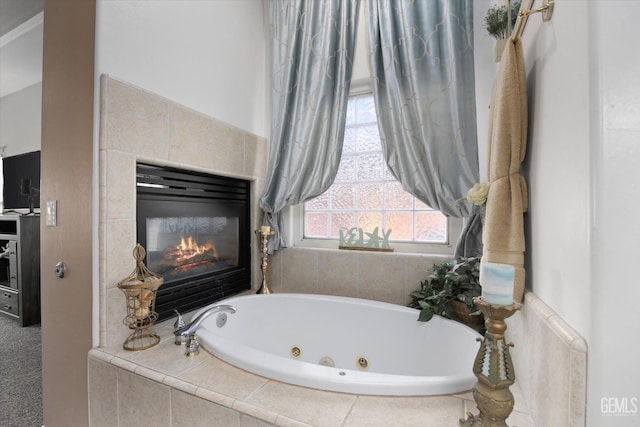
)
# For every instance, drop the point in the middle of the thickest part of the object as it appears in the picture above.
(265, 232)
(493, 368)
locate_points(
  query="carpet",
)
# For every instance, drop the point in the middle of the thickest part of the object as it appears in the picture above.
(20, 374)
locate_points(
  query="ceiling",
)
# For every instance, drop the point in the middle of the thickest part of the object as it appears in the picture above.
(15, 12)
(20, 44)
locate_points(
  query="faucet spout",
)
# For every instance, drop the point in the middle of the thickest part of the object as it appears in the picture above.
(190, 328)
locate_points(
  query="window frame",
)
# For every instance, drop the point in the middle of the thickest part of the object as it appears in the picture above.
(294, 216)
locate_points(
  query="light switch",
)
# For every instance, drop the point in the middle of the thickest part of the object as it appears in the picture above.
(52, 213)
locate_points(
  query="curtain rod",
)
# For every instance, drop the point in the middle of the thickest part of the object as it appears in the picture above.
(523, 15)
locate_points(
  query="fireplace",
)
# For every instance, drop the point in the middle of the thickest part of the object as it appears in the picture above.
(196, 231)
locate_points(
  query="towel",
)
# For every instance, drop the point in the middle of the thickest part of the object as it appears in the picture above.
(503, 234)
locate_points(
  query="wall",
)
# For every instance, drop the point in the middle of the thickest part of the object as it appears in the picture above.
(20, 120)
(615, 131)
(199, 54)
(581, 169)
(207, 55)
(66, 171)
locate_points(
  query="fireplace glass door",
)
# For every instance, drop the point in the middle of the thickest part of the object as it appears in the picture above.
(195, 229)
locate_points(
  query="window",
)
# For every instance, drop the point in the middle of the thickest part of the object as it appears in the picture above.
(365, 194)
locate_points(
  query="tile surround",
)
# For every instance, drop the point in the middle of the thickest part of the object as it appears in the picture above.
(138, 125)
(541, 336)
(211, 392)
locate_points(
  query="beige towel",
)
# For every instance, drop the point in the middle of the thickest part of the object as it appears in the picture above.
(503, 235)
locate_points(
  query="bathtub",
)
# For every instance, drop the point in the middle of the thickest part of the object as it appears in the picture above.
(342, 344)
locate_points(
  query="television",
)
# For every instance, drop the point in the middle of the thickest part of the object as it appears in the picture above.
(21, 175)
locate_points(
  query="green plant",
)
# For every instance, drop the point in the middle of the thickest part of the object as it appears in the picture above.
(496, 19)
(448, 281)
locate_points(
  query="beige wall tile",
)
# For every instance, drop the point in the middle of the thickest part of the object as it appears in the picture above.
(191, 411)
(255, 160)
(328, 409)
(120, 185)
(435, 411)
(228, 148)
(136, 121)
(142, 401)
(299, 270)
(169, 358)
(540, 336)
(190, 137)
(116, 331)
(215, 374)
(119, 261)
(382, 277)
(246, 421)
(103, 394)
(338, 272)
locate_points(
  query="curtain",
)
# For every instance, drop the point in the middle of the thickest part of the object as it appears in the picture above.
(313, 43)
(422, 63)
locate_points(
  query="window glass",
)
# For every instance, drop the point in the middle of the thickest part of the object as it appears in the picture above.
(365, 194)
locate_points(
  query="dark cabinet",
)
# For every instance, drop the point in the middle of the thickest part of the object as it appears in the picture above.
(20, 268)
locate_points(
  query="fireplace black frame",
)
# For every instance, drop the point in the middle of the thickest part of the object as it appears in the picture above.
(171, 190)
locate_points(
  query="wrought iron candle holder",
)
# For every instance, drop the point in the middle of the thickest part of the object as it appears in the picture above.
(265, 232)
(493, 368)
(140, 289)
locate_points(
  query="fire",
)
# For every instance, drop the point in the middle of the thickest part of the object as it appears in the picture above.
(189, 248)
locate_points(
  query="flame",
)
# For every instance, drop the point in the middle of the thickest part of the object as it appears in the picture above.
(189, 248)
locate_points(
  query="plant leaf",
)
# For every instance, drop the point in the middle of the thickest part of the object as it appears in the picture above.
(425, 314)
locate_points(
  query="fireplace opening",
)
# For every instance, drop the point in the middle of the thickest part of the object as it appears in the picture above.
(196, 232)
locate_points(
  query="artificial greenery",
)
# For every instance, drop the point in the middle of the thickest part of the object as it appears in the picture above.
(448, 281)
(496, 19)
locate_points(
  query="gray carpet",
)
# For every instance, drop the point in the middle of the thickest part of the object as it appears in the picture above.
(20, 374)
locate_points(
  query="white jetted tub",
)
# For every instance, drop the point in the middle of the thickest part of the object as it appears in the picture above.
(342, 344)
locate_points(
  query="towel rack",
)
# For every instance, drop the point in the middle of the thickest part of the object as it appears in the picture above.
(546, 9)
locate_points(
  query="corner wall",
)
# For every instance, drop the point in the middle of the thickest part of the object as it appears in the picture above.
(67, 172)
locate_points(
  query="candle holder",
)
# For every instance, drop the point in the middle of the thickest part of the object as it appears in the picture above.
(140, 289)
(493, 368)
(265, 232)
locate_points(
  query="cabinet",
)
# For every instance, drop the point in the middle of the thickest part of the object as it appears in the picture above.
(20, 268)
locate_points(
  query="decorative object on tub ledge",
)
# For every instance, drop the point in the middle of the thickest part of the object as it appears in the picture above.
(140, 289)
(353, 239)
(265, 232)
(499, 21)
(449, 291)
(493, 368)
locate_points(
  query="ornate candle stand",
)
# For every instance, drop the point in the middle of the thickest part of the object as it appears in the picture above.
(265, 232)
(493, 368)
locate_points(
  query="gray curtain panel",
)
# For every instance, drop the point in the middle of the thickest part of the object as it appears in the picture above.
(313, 46)
(422, 62)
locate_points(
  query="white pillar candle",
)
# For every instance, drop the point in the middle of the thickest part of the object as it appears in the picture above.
(265, 229)
(497, 283)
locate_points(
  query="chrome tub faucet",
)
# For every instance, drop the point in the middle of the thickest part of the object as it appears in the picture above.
(183, 332)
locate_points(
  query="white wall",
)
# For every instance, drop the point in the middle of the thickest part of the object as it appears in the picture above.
(20, 121)
(615, 143)
(206, 54)
(582, 170)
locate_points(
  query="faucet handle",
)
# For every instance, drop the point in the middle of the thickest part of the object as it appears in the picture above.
(180, 339)
(193, 346)
(179, 320)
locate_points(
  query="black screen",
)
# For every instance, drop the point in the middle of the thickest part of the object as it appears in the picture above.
(21, 173)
